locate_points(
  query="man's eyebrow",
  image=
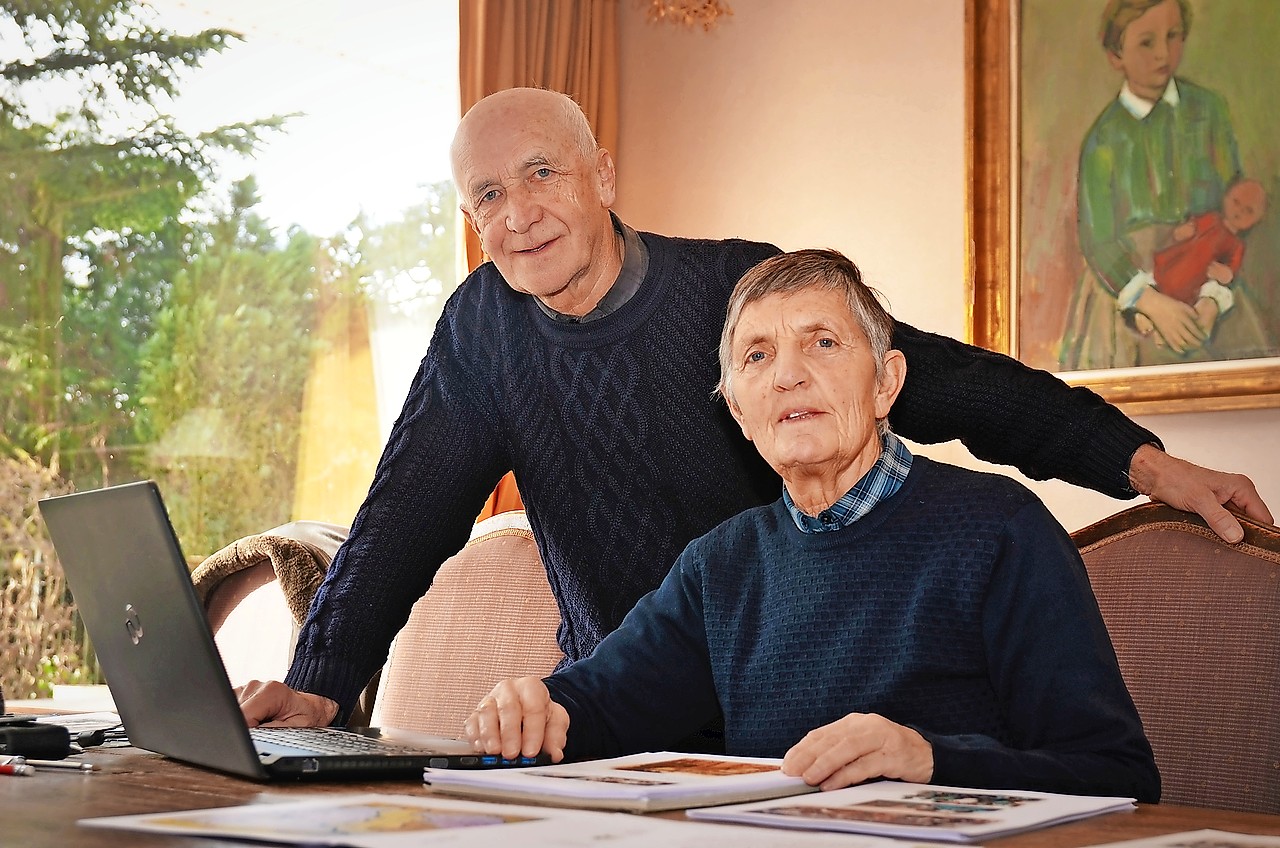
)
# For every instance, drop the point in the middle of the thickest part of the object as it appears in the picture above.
(743, 342)
(480, 185)
(536, 159)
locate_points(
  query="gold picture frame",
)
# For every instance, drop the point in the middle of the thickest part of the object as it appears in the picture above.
(993, 141)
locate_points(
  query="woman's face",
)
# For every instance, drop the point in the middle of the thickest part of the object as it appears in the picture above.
(1151, 50)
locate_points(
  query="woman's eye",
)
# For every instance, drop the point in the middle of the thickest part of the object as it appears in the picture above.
(755, 356)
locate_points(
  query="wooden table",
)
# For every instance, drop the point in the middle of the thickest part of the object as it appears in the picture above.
(41, 811)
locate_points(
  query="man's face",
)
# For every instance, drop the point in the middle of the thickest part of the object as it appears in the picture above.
(804, 386)
(540, 207)
(1151, 50)
(1243, 206)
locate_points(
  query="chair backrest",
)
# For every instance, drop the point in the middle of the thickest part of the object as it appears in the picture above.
(256, 592)
(488, 615)
(1196, 627)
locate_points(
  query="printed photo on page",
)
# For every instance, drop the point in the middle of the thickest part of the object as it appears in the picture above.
(943, 813)
(637, 783)
(404, 821)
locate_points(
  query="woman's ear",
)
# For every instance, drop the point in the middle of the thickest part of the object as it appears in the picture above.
(736, 412)
(889, 384)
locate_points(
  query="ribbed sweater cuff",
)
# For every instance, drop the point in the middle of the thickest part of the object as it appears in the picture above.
(330, 677)
(1113, 445)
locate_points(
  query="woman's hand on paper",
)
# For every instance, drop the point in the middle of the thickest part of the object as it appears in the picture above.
(859, 747)
(519, 718)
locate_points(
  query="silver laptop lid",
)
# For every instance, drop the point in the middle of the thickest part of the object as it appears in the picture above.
(131, 584)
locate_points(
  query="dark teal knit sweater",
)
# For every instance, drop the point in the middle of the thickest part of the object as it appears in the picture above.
(958, 607)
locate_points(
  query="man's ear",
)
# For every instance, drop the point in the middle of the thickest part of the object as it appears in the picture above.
(607, 175)
(736, 412)
(471, 222)
(889, 384)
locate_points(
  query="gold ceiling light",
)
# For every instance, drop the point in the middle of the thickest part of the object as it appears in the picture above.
(704, 13)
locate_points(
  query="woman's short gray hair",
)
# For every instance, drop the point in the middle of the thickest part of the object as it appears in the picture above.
(788, 273)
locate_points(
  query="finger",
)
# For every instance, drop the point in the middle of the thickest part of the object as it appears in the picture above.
(800, 756)
(557, 735)
(850, 774)
(532, 726)
(486, 734)
(521, 716)
(256, 704)
(1220, 520)
(850, 752)
(1245, 498)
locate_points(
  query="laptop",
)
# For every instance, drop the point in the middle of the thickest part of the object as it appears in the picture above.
(130, 581)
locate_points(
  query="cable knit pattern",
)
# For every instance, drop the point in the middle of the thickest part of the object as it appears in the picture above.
(957, 606)
(621, 454)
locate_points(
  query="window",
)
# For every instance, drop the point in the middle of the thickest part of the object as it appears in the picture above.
(241, 328)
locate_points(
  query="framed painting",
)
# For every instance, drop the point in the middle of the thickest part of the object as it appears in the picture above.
(1122, 154)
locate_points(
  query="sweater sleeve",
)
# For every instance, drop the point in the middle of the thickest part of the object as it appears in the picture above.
(1072, 725)
(649, 684)
(442, 458)
(1100, 180)
(1008, 413)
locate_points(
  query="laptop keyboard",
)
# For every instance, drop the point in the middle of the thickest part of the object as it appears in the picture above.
(322, 740)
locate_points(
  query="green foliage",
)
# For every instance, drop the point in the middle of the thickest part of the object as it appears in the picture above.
(398, 260)
(107, 55)
(221, 381)
(89, 159)
(37, 621)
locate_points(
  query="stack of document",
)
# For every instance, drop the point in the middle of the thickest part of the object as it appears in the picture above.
(637, 783)
(919, 811)
(405, 821)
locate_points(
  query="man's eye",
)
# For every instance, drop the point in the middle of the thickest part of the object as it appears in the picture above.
(755, 356)
(826, 342)
(542, 173)
(489, 196)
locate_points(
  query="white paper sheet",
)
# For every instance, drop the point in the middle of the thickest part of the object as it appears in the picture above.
(401, 821)
(944, 813)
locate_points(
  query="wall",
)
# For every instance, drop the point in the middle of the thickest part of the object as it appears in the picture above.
(841, 124)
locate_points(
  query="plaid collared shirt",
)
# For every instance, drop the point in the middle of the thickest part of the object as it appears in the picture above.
(884, 478)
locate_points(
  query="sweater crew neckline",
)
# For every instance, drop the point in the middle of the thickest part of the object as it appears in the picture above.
(622, 322)
(868, 523)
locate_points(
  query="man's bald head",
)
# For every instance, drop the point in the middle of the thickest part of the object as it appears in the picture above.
(514, 106)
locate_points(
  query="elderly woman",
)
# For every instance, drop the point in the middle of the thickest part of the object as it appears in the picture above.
(888, 616)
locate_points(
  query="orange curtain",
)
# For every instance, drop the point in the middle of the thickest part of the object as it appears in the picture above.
(569, 46)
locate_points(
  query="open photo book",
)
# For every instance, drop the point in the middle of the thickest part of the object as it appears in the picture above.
(635, 783)
(919, 811)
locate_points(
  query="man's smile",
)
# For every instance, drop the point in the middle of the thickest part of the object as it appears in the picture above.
(538, 248)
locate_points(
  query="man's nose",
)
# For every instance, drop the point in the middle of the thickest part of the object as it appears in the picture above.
(523, 210)
(789, 369)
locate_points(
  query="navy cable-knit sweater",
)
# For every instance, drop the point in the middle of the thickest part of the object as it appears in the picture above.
(957, 606)
(621, 454)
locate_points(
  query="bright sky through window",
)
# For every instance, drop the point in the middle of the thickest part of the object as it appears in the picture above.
(376, 81)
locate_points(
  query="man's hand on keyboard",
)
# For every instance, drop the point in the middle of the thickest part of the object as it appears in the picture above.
(272, 704)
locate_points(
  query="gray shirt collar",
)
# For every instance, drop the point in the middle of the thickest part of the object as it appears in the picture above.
(635, 264)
